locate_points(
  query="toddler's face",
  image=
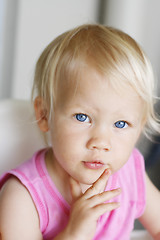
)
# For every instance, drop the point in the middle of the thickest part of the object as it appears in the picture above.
(96, 128)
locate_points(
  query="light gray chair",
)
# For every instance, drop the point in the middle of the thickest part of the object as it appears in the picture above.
(20, 136)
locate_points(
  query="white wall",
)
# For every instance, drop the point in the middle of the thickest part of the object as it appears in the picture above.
(27, 26)
(8, 17)
(140, 19)
(38, 23)
(1, 30)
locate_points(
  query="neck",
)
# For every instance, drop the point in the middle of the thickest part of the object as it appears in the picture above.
(60, 177)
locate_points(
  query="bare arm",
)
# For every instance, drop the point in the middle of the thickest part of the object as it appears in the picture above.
(151, 217)
(19, 218)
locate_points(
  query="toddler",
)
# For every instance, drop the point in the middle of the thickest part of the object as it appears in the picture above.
(94, 95)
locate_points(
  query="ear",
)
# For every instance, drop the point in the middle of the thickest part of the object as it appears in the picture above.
(41, 114)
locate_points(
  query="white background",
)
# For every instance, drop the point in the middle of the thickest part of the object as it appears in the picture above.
(27, 26)
(36, 23)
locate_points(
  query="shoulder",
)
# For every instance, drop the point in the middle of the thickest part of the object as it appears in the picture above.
(18, 218)
(136, 164)
(151, 216)
(137, 155)
(132, 177)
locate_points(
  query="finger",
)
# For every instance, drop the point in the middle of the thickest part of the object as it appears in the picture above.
(75, 189)
(103, 197)
(99, 185)
(105, 207)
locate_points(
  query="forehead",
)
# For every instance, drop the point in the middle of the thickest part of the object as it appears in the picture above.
(96, 91)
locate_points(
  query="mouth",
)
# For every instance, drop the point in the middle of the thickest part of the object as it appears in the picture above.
(94, 164)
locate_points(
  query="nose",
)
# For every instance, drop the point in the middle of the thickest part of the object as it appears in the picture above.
(100, 142)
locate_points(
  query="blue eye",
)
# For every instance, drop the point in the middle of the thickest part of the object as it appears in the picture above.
(82, 117)
(121, 124)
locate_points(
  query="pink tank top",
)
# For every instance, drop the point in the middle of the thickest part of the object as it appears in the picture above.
(54, 211)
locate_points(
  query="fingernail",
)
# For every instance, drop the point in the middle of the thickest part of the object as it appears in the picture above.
(107, 171)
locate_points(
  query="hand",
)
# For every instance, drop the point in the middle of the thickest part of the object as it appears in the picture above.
(88, 207)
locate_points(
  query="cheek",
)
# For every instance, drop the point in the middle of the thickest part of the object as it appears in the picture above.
(123, 150)
(67, 142)
(129, 139)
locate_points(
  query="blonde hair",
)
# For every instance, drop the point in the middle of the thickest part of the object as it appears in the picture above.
(110, 51)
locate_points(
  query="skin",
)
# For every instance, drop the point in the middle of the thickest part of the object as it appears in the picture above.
(97, 138)
(75, 142)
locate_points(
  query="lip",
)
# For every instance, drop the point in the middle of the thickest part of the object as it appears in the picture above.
(94, 164)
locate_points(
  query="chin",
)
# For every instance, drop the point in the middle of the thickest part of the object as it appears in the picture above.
(88, 181)
(87, 178)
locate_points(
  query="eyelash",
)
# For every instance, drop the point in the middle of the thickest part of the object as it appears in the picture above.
(81, 117)
(124, 124)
